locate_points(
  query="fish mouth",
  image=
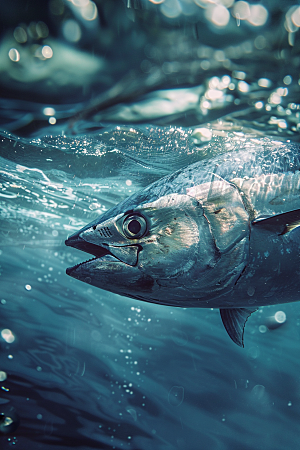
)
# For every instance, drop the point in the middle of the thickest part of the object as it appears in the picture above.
(127, 254)
(87, 247)
(93, 249)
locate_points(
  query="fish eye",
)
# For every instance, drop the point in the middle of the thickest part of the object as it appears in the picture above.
(134, 226)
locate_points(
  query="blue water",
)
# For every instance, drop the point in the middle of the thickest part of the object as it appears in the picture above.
(86, 369)
(90, 369)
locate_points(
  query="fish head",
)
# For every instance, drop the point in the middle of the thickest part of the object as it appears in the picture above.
(149, 247)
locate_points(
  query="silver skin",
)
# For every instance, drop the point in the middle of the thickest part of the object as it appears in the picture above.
(201, 240)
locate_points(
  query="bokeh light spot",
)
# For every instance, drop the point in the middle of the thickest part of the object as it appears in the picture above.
(47, 52)
(258, 15)
(7, 335)
(260, 42)
(287, 80)
(71, 30)
(171, 8)
(295, 17)
(241, 10)
(275, 99)
(259, 105)
(80, 3)
(243, 86)
(218, 15)
(291, 18)
(20, 35)
(90, 11)
(49, 111)
(3, 375)
(14, 55)
(239, 75)
(42, 30)
(264, 82)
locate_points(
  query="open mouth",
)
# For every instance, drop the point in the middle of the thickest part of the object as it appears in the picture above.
(127, 254)
(81, 244)
(87, 247)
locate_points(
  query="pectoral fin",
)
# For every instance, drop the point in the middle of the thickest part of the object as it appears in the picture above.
(281, 223)
(234, 321)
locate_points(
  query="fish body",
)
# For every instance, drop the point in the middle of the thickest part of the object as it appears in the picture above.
(220, 233)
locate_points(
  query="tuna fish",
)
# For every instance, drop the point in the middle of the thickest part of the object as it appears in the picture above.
(220, 233)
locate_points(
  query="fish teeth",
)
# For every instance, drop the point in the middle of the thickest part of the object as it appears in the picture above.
(84, 262)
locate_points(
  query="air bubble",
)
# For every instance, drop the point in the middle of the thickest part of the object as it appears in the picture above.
(276, 321)
(258, 391)
(176, 395)
(280, 317)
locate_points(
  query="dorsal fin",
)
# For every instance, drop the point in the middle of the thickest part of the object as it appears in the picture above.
(234, 321)
(280, 223)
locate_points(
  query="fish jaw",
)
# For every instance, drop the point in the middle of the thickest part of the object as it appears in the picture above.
(102, 272)
(113, 268)
(110, 274)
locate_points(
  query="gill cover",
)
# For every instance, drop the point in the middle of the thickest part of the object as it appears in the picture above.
(224, 208)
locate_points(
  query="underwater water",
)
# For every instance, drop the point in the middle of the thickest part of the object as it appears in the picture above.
(158, 85)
